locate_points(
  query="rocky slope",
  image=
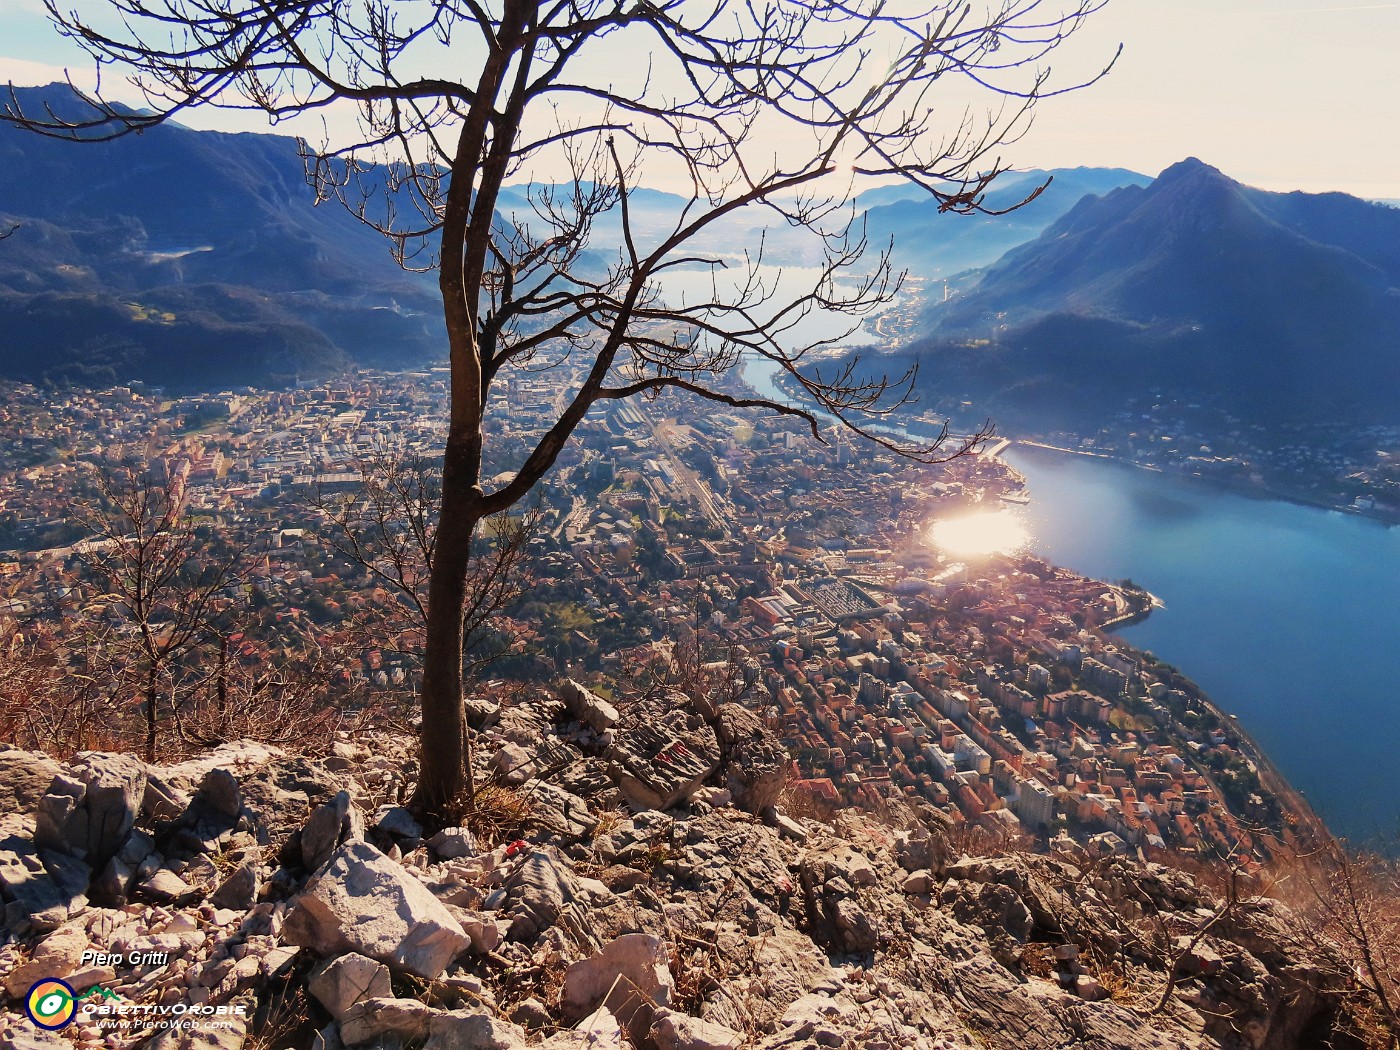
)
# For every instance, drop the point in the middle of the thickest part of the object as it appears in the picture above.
(647, 891)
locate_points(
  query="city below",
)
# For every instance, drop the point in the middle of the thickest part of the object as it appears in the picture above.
(866, 605)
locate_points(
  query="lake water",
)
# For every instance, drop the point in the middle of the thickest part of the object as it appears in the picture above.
(1287, 616)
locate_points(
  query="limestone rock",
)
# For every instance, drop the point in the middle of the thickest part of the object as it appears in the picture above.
(787, 827)
(659, 763)
(754, 760)
(677, 1031)
(714, 796)
(340, 983)
(210, 817)
(61, 819)
(24, 779)
(600, 1030)
(588, 707)
(13, 1037)
(1087, 987)
(373, 1019)
(362, 901)
(279, 795)
(481, 713)
(397, 824)
(554, 807)
(231, 1036)
(917, 882)
(513, 764)
(918, 850)
(838, 919)
(57, 955)
(531, 1013)
(240, 890)
(116, 786)
(1198, 959)
(485, 933)
(165, 887)
(41, 888)
(539, 889)
(336, 822)
(470, 1030)
(114, 882)
(220, 793)
(161, 801)
(995, 907)
(453, 843)
(630, 976)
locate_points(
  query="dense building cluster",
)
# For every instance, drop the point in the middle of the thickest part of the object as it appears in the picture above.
(986, 685)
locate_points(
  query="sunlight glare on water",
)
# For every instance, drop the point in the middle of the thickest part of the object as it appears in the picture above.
(982, 533)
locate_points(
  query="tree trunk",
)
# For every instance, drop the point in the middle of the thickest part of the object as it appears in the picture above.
(442, 773)
(151, 716)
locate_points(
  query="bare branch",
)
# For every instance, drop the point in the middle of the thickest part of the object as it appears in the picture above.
(580, 283)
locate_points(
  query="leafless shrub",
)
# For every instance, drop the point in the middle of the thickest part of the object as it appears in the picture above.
(48, 704)
(283, 1016)
(151, 586)
(298, 704)
(493, 812)
(1348, 902)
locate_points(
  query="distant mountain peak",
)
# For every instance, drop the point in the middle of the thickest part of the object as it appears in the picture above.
(1280, 304)
(1185, 166)
(1190, 169)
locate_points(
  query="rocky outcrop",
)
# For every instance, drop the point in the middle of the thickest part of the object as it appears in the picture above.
(755, 761)
(89, 811)
(24, 779)
(835, 914)
(639, 902)
(342, 981)
(537, 892)
(660, 756)
(630, 977)
(361, 901)
(336, 822)
(588, 707)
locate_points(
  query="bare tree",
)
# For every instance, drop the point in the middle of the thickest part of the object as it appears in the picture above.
(768, 109)
(48, 701)
(388, 527)
(149, 571)
(300, 700)
(1179, 950)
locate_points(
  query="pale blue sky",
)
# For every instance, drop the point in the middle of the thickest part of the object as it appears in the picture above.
(1284, 94)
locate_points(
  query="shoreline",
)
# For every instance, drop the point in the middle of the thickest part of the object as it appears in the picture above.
(1293, 801)
(1384, 518)
(1309, 826)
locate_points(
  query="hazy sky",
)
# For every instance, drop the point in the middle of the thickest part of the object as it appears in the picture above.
(1284, 94)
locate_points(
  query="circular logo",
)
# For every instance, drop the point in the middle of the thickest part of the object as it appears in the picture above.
(50, 1003)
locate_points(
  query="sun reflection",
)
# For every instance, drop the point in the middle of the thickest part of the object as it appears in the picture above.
(987, 532)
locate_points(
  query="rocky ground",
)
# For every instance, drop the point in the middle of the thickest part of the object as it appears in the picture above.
(646, 890)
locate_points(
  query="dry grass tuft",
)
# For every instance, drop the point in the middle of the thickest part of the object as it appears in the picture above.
(492, 812)
(283, 1016)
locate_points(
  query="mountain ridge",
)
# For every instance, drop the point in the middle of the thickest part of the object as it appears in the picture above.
(1278, 306)
(291, 290)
